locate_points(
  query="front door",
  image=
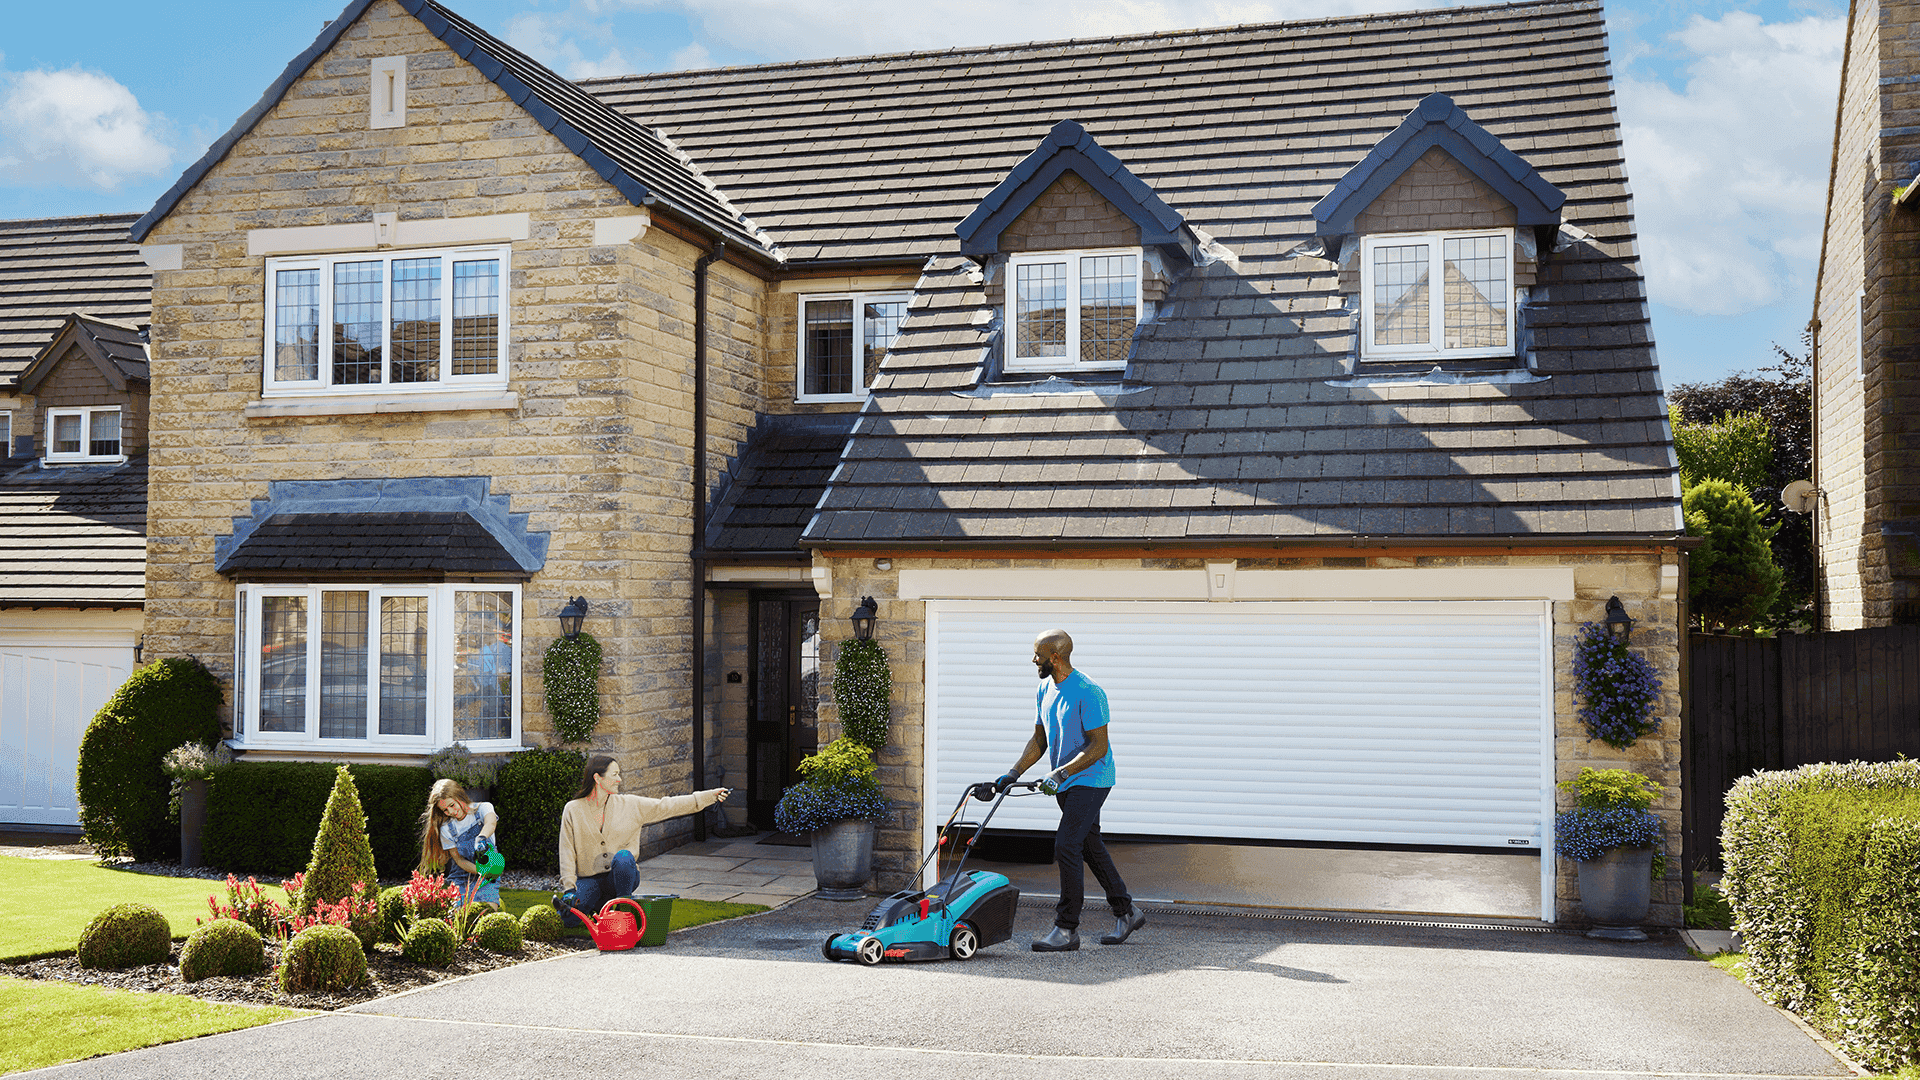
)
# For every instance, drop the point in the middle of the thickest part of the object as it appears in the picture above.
(781, 724)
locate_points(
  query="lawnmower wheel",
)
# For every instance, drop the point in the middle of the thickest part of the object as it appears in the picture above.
(870, 950)
(964, 943)
(826, 947)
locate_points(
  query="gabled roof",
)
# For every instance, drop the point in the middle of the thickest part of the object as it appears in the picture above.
(53, 267)
(1068, 148)
(1437, 121)
(74, 536)
(118, 349)
(640, 163)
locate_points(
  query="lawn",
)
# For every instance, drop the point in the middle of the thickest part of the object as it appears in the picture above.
(49, 901)
(49, 1022)
(685, 912)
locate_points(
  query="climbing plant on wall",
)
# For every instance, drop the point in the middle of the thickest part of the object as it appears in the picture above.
(863, 690)
(572, 671)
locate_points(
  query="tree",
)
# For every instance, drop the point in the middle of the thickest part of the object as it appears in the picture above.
(1738, 448)
(1732, 579)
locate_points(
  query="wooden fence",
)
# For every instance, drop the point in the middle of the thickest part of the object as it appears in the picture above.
(1778, 703)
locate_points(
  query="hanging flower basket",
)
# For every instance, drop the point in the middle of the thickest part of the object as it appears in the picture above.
(1616, 689)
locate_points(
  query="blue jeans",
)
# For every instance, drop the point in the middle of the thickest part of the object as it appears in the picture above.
(589, 893)
(1077, 841)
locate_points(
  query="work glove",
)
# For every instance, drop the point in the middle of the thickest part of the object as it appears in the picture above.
(1050, 784)
(1006, 781)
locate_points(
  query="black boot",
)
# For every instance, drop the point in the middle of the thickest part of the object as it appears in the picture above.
(1124, 927)
(1058, 939)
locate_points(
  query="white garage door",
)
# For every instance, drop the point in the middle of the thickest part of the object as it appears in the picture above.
(1417, 722)
(48, 695)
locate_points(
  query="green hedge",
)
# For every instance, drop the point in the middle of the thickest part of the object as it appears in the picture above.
(262, 816)
(532, 789)
(123, 792)
(1821, 875)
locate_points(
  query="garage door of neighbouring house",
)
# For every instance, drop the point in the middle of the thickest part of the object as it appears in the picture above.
(1397, 722)
(48, 695)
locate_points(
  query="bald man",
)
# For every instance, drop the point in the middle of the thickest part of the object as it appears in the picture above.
(1071, 726)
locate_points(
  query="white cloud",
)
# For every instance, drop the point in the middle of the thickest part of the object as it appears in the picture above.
(557, 42)
(76, 126)
(1730, 172)
(690, 57)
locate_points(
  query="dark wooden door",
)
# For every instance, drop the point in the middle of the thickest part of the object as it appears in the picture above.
(782, 724)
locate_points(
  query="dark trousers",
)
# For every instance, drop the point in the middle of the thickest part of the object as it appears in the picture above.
(1078, 841)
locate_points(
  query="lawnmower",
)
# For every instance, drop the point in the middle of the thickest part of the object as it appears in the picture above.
(965, 912)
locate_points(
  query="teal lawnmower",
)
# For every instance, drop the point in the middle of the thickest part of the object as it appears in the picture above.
(966, 912)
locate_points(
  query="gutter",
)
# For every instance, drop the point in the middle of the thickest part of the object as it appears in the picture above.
(1249, 547)
(697, 552)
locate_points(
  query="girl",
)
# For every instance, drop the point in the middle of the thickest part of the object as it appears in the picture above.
(451, 829)
(599, 830)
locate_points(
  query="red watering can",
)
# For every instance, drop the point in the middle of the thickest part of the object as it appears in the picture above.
(615, 929)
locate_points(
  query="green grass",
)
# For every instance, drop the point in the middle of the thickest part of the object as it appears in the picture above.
(50, 901)
(51, 1022)
(685, 912)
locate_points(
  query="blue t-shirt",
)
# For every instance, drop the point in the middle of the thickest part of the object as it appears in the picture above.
(1068, 710)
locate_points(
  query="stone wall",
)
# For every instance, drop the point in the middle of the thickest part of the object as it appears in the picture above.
(1633, 576)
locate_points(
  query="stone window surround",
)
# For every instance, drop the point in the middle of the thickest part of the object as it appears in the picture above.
(860, 375)
(1071, 257)
(441, 671)
(1369, 352)
(85, 455)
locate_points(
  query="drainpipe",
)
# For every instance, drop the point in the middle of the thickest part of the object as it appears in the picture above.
(1813, 448)
(700, 273)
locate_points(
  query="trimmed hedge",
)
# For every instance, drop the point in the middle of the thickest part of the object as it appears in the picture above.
(123, 792)
(533, 788)
(262, 817)
(1823, 881)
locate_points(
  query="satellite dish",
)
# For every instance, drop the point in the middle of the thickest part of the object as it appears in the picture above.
(1799, 496)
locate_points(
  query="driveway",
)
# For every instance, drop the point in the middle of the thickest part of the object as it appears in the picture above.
(1191, 995)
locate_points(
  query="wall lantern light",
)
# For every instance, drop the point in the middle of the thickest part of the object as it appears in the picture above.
(572, 616)
(1619, 623)
(864, 617)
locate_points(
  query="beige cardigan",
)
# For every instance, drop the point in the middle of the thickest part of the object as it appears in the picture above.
(587, 844)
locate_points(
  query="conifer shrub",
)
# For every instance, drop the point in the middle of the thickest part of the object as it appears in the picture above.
(124, 936)
(1732, 579)
(321, 959)
(123, 791)
(541, 923)
(222, 947)
(342, 860)
(498, 932)
(430, 943)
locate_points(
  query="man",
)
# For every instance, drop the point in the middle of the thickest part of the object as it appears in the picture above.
(1072, 724)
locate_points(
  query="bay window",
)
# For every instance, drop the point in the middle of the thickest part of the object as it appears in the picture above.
(1072, 309)
(1469, 314)
(842, 340)
(408, 668)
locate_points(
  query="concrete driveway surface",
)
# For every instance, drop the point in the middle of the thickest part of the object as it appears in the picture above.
(1192, 995)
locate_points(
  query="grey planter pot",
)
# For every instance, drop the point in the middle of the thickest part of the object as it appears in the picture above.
(843, 859)
(193, 821)
(1616, 890)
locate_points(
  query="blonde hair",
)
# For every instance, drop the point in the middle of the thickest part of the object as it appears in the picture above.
(433, 856)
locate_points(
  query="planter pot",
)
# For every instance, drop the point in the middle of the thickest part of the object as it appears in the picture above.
(843, 859)
(193, 820)
(479, 793)
(1616, 890)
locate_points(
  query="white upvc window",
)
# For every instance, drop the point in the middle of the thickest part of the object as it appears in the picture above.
(400, 668)
(1072, 309)
(418, 321)
(1404, 317)
(843, 337)
(84, 436)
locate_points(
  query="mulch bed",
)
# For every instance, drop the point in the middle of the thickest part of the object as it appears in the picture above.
(388, 973)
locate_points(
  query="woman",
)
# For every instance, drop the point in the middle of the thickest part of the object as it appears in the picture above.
(599, 830)
(452, 828)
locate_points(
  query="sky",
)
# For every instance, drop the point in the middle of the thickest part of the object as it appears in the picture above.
(1726, 109)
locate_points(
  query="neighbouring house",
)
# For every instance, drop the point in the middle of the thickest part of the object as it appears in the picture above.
(74, 298)
(1866, 411)
(1303, 371)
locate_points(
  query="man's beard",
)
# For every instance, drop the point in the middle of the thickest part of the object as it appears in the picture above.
(1046, 669)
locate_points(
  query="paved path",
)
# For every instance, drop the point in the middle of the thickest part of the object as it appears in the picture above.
(744, 871)
(1191, 996)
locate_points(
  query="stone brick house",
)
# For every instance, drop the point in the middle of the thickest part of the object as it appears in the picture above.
(73, 485)
(1866, 405)
(1130, 335)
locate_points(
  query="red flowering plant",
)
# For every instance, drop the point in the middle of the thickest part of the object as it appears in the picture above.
(356, 911)
(249, 903)
(430, 897)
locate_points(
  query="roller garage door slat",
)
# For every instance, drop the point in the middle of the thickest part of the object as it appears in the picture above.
(1365, 722)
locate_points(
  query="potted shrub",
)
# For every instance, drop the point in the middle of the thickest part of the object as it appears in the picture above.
(1613, 835)
(474, 773)
(836, 804)
(190, 765)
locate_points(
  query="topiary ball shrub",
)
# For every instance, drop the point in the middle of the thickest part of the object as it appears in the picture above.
(430, 943)
(498, 932)
(322, 959)
(222, 947)
(541, 923)
(393, 913)
(123, 792)
(124, 936)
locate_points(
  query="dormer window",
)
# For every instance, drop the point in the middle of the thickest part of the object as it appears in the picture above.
(1437, 295)
(1072, 309)
(83, 436)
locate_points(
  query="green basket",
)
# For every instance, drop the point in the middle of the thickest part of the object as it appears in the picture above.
(659, 909)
